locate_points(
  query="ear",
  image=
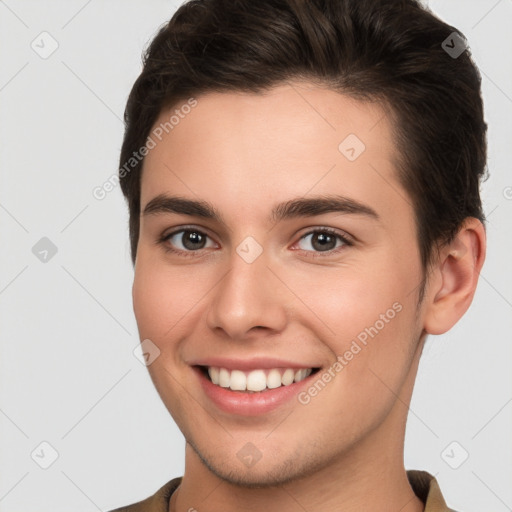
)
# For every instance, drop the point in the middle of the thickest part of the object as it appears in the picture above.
(454, 278)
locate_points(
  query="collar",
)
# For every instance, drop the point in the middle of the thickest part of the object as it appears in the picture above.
(427, 489)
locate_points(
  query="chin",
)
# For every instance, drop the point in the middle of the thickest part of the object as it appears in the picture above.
(262, 474)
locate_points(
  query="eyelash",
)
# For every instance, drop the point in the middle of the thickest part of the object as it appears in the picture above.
(163, 240)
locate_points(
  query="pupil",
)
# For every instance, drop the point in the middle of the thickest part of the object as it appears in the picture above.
(190, 239)
(322, 239)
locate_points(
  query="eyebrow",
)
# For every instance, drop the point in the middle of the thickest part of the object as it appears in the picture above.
(294, 208)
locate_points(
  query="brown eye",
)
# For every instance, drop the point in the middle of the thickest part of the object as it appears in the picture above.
(188, 240)
(322, 241)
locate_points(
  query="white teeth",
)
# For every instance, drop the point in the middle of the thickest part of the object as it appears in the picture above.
(287, 377)
(256, 380)
(224, 378)
(302, 374)
(214, 374)
(273, 379)
(238, 381)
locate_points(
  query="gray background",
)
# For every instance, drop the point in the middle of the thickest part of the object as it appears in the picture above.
(67, 369)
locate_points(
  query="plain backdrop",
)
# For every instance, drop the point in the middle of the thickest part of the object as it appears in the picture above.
(73, 395)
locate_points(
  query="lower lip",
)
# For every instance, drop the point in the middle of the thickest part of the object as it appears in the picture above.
(249, 404)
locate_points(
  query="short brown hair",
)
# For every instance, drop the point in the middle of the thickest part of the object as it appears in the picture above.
(375, 50)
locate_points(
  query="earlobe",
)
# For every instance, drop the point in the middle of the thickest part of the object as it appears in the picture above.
(457, 275)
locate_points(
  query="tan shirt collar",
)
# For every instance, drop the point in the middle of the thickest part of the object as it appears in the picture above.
(427, 489)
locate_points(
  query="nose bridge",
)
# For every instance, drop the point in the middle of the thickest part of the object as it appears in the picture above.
(245, 297)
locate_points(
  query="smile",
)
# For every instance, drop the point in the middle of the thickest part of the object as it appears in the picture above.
(252, 391)
(256, 380)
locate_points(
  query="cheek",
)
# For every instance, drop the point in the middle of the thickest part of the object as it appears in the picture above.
(346, 299)
(163, 303)
(366, 316)
(164, 299)
(149, 298)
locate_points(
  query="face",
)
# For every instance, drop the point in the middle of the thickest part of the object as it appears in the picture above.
(277, 274)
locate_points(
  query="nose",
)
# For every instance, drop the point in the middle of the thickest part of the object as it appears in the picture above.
(247, 299)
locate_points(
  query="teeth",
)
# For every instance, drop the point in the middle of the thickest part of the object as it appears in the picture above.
(273, 379)
(256, 380)
(301, 374)
(214, 374)
(238, 381)
(287, 377)
(224, 378)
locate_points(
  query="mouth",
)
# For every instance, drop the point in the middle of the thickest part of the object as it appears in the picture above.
(255, 381)
(252, 392)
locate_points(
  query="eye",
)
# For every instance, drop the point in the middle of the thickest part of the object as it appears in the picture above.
(323, 240)
(186, 240)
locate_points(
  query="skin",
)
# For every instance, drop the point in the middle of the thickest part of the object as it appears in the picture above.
(243, 153)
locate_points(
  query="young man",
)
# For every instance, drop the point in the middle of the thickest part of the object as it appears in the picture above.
(303, 185)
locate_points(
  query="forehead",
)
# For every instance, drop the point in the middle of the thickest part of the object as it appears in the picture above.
(246, 150)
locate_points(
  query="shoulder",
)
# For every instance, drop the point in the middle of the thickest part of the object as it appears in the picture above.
(158, 502)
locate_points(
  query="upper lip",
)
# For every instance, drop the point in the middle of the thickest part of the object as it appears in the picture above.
(256, 363)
